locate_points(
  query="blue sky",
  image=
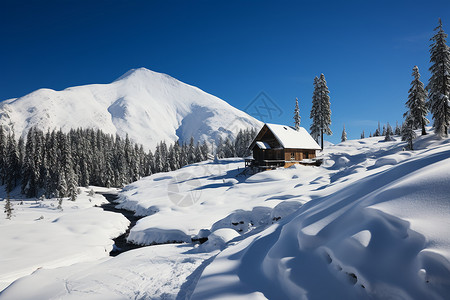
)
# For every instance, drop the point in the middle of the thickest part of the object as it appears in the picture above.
(232, 49)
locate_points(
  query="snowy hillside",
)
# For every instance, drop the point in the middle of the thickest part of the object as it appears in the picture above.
(371, 223)
(149, 106)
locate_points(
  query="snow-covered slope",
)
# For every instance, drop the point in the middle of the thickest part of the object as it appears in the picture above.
(380, 229)
(371, 223)
(149, 106)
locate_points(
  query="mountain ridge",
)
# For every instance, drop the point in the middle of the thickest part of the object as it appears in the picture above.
(147, 105)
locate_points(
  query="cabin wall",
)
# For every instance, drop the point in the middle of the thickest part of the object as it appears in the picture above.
(267, 154)
(298, 154)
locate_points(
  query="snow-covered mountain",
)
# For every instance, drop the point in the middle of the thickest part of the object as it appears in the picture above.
(147, 105)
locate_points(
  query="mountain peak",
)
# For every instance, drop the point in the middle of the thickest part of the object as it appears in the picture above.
(141, 73)
(148, 106)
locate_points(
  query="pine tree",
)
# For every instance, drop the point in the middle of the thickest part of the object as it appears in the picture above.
(378, 130)
(344, 135)
(408, 133)
(416, 102)
(2, 155)
(12, 164)
(191, 152)
(397, 129)
(362, 135)
(297, 118)
(8, 207)
(439, 84)
(205, 150)
(389, 133)
(314, 115)
(30, 173)
(320, 111)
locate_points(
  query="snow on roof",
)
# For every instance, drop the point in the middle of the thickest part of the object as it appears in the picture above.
(288, 137)
(263, 145)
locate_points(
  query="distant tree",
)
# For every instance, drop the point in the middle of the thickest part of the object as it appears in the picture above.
(205, 150)
(397, 129)
(320, 111)
(2, 155)
(378, 130)
(362, 135)
(344, 135)
(439, 83)
(191, 152)
(12, 164)
(389, 133)
(198, 153)
(416, 103)
(408, 133)
(297, 118)
(8, 208)
(383, 133)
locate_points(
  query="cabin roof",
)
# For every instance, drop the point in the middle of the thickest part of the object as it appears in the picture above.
(289, 138)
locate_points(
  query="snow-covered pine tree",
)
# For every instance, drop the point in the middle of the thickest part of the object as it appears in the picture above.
(29, 182)
(220, 153)
(378, 130)
(297, 118)
(416, 102)
(198, 153)
(2, 155)
(439, 83)
(321, 112)
(12, 164)
(183, 155)
(314, 115)
(205, 150)
(389, 133)
(228, 148)
(158, 159)
(191, 151)
(344, 135)
(8, 207)
(164, 156)
(177, 155)
(408, 133)
(362, 135)
(397, 129)
(383, 133)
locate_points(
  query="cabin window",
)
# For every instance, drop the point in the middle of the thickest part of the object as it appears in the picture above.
(306, 155)
(292, 156)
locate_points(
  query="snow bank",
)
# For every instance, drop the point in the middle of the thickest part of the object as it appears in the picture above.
(208, 196)
(42, 236)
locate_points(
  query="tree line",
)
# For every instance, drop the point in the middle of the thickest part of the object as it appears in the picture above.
(54, 164)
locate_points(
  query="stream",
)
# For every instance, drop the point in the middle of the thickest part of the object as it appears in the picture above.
(120, 243)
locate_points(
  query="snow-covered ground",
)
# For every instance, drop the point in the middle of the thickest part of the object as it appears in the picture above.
(40, 235)
(373, 222)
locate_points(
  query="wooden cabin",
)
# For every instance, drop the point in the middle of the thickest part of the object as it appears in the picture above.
(282, 146)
